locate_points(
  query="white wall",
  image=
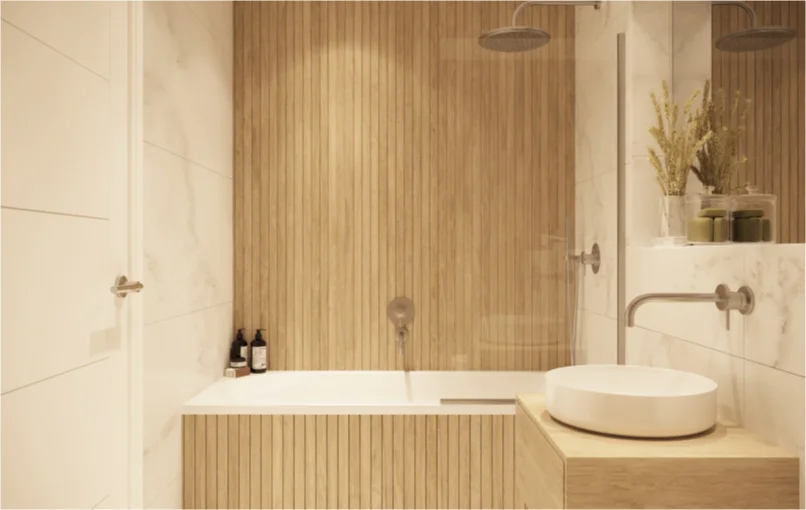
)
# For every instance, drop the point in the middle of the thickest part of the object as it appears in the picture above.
(188, 222)
(759, 362)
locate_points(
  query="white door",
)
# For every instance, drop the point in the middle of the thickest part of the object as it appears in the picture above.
(66, 340)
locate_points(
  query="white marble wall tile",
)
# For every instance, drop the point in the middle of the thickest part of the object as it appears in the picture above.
(182, 356)
(692, 47)
(650, 57)
(216, 17)
(774, 332)
(596, 61)
(596, 217)
(170, 498)
(688, 269)
(774, 409)
(188, 223)
(188, 236)
(649, 348)
(597, 339)
(187, 87)
(642, 202)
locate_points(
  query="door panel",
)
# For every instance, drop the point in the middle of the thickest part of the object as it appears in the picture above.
(65, 232)
(56, 315)
(79, 30)
(56, 133)
(56, 440)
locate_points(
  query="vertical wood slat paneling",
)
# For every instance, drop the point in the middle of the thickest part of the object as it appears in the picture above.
(222, 461)
(362, 174)
(200, 497)
(188, 461)
(243, 462)
(211, 480)
(389, 461)
(232, 461)
(773, 79)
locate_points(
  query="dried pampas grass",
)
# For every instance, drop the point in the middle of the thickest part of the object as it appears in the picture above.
(717, 158)
(678, 145)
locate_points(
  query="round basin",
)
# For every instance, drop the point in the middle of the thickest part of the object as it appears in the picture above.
(633, 401)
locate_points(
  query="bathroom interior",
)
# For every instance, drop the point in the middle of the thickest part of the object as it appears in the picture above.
(490, 269)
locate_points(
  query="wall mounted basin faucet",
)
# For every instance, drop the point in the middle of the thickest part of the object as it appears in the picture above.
(725, 300)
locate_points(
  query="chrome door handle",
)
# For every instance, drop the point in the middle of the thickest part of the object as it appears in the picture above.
(123, 287)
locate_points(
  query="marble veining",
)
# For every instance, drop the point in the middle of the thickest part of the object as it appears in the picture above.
(182, 356)
(688, 269)
(597, 340)
(650, 55)
(188, 224)
(596, 217)
(187, 86)
(774, 333)
(596, 65)
(645, 347)
(188, 236)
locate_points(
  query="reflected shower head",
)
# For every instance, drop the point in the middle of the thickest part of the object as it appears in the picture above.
(753, 38)
(514, 39)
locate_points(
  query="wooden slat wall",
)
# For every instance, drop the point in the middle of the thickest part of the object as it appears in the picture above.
(422, 461)
(773, 79)
(379, 151)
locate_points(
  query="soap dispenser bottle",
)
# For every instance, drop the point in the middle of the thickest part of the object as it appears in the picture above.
(239, 345)
(259, 353)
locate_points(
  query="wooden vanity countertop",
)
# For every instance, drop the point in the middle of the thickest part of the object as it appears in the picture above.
(721, 442)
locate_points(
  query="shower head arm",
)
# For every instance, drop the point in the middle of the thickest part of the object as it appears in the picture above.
(595, 3)
(743, 5)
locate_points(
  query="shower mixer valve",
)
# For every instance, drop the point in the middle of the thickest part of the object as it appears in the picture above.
(592, 259)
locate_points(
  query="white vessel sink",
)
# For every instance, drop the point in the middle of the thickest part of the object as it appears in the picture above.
(629, 400)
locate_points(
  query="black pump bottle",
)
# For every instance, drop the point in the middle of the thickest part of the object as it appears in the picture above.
(260, 354)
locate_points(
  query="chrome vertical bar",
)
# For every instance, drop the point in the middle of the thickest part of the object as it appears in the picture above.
(621, 250)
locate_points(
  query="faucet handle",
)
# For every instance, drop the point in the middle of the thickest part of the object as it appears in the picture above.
(742, 300)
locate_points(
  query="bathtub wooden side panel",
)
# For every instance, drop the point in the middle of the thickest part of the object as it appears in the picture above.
(255, 447)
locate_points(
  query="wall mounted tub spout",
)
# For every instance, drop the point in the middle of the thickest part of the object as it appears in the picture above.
(401, 312)
(726, 300)
(401, 334)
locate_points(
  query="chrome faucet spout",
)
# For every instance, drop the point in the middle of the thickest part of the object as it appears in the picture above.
(742, 300)
(669, 296)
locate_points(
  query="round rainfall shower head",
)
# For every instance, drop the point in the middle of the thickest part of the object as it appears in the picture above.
(755, 39)
(514, 39)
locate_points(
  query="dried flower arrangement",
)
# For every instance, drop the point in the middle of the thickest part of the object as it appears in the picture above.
(717, 158)
(678, 145)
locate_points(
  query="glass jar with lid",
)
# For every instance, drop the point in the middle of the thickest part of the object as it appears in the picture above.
(753, 216)
(708, 218)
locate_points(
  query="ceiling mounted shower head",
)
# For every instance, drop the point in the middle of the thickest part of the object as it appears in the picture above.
(515, 38)
(754, 38)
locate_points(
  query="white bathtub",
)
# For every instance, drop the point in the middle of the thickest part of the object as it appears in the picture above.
(365, 392)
